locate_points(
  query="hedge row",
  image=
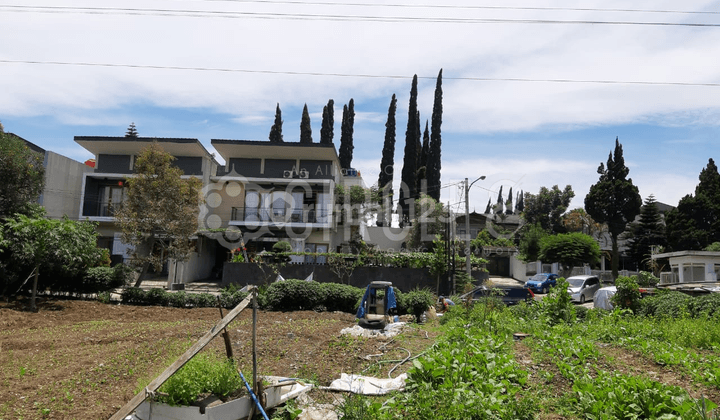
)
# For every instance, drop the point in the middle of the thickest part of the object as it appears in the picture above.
(288, 295)
(675, 304)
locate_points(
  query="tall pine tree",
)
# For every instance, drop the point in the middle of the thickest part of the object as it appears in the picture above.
(500, 202)
(695, 223)
(614, 200)
(646, 233)
(387, 165)
(434, 163)
(305, 127)
(509, 203)
(131, 131)
(328, 122)
(276, 129)
(408, 188)
(346, 135)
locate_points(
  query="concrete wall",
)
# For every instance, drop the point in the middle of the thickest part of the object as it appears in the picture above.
(405, 279)
(198, 267)
(387, 238)
(63, 184)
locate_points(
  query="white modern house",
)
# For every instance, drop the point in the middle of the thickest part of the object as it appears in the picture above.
(690, 267)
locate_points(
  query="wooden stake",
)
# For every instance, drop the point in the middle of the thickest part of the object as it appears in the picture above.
(226, 335)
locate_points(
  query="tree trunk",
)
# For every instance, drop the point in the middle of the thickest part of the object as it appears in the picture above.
(33, 307)
(615, 263)
(146, 265)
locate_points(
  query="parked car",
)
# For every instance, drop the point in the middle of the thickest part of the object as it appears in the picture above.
(541, 283)
(510, 295)
(582, 288)
(601, 298)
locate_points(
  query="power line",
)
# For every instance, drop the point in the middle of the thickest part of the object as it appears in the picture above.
(315, 17)
(359, 75)
(455, 7)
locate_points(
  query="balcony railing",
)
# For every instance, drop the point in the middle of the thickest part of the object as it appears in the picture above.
(98, 208)
(279, 215)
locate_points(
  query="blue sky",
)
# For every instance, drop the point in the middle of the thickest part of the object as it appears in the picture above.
(165, 77)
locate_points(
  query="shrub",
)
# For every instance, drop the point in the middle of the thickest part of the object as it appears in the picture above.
(204, 300)
(292, 295)
(666, 303)
(178, 299)
(282, 246)
(557, 305)
(231, 296)
(99, 279)
(340, 297)
(133, 296)
(705, 305)
(415, 302)
(627, 295)
(157, 297)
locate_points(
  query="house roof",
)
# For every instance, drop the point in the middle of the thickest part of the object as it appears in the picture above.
(687, 254)
(133, 145)
(264, 149)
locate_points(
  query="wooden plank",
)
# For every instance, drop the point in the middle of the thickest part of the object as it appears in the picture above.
(128, 408)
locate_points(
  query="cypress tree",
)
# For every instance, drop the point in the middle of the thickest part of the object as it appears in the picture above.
(305, 127)
(387, 162)
(425, 146)
(509, 203)
(346, 135)
(499, 204)
(328, 121)
(434, 163)
(408, 189)
(276, 130)
(488, 209)
(520, 206)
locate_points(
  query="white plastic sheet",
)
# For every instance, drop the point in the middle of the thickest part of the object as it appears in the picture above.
(367, 385)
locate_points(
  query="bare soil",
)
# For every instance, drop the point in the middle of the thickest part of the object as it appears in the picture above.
(77, 359)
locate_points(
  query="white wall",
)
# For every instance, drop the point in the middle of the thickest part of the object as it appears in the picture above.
(63, 183)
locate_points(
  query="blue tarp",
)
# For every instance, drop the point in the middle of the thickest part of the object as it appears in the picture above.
(391, 301)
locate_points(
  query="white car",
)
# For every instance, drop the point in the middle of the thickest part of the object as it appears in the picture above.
(582, 288)
(602, 297)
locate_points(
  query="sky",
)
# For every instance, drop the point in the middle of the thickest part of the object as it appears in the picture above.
(534, 92)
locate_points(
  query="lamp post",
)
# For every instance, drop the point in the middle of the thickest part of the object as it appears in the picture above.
(467, 224)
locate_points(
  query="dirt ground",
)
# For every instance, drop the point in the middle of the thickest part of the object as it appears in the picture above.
(77, 359)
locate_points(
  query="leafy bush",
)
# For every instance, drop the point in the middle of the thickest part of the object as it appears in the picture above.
(133, 296)
(231, 296)
(557, 306)
(156, 297)
(293, 295)
(202, 374)
(627, 295)
(178, 299)
(415, 302)
(705, 305)
(647, 279)
(666, 303)
(282, 246)
(340, 297)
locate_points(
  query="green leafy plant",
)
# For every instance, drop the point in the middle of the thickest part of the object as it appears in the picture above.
(204, 373)
(557, 306)
(627, 295)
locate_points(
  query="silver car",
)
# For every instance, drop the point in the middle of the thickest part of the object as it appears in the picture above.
(582, 288)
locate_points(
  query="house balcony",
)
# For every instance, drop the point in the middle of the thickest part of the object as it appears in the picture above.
(101, 209)
(279, 216)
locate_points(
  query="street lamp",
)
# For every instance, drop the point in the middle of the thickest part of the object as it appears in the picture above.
(467, 224)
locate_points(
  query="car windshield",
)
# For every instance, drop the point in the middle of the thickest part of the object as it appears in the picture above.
(537, 277)
(575, 282)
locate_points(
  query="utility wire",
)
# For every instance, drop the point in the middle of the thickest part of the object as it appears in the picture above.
(456, 7)
(315, 17)
(374, 76)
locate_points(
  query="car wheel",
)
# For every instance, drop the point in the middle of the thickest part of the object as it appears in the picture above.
(545, 290)
(582, 299)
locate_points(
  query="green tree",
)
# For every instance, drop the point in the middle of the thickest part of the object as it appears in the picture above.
(328, 123)
(276, 135)
(577, 220)
(55, 248)
(628, 294)
(509, 203)
(547, 207)
(305, 127)
(614, 200)
(430, 222)
(408, 187)
(649, 231)
(131, 131)
(570, 250)
(530, 238)
(695, 223)
(499, 203)
(434, 163)
(23, 176)
(387, 165)
(161, 210)
(346, 135)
